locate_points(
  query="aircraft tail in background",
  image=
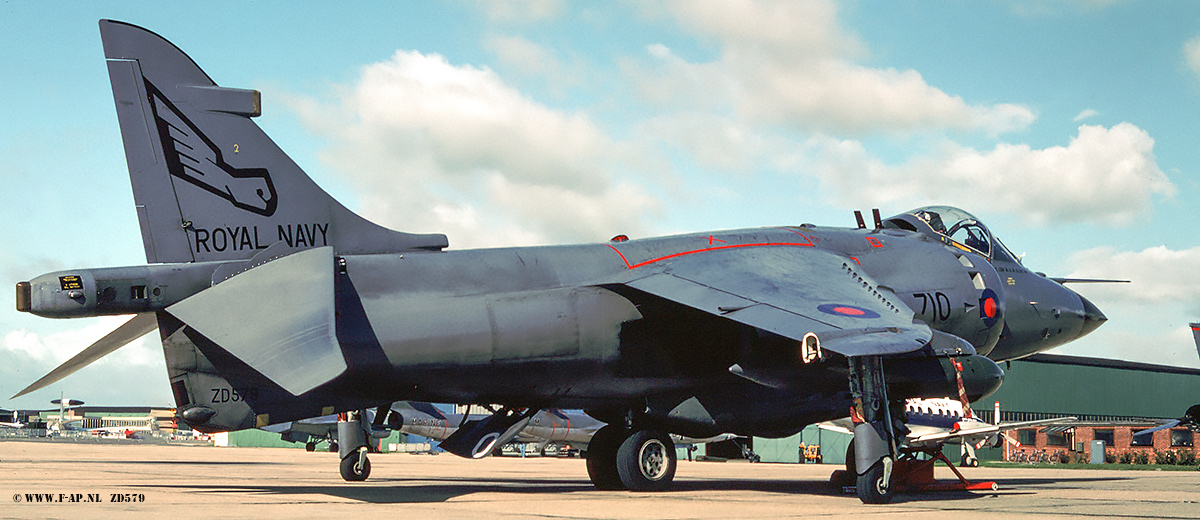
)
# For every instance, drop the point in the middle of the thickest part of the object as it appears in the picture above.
(1196, 336)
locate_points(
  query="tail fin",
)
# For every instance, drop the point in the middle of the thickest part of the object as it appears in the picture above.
(208, 183)
(1196, 335)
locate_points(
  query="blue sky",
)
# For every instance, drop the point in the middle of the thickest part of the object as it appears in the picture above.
(1067, 125)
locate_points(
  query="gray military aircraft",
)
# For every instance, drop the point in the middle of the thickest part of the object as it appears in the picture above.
(275, 303)
(1190, 418)
(1196, 335)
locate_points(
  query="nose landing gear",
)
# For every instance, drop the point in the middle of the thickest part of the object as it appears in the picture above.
(877, 426)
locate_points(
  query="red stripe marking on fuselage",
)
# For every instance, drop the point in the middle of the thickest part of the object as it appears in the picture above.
(705, 250)
(809, 240)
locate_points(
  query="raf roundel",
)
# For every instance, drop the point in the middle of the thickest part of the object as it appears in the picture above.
(845, 309)
(989, 308)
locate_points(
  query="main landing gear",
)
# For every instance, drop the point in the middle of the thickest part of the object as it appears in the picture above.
(637, 460)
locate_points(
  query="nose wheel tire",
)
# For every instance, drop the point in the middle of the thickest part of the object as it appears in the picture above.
(352, 471)
(646, 461)
(872, 488)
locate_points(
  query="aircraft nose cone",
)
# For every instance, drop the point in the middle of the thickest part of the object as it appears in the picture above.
(1092, 317)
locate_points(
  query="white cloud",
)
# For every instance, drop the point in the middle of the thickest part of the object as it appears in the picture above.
(716, 142)
(1153, 340)
(1191, 54)
(534, 61)
(1158, 276)
(1105, 175)
(791, 30)
(522, 55)
(54, 348)
(1086, 114)
(791, 64)
(1148, 317)
(842, 97)
(133, 375)
(522, 10)
(430, 145)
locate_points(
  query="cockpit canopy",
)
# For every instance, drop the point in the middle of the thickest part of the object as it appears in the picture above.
(953, 227)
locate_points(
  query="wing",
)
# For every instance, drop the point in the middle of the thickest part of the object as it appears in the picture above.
(984, 429)
(843, 425)
(793, 292)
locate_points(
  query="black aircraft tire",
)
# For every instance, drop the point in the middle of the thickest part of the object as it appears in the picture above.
(348, 472)
(333, 446)
(646, 461)
(310, 446)
(851, 465)
(871, 487)
(602, 458)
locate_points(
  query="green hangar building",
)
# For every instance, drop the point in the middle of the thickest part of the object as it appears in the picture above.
(1111, 399)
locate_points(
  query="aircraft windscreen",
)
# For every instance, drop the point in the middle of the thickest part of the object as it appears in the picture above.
(960, 226)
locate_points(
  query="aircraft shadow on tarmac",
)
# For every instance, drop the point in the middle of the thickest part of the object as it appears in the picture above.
(1013, 483)
(167, 462)
(420, 491)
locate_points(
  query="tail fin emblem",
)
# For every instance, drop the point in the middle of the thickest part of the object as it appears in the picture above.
(193, 157)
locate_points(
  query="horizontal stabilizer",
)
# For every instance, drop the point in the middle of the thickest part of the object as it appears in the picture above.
(278, 318)
(135, 328)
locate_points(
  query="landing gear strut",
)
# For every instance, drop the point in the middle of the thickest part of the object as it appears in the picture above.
(876, 429)
(353, 432)
(637, 460)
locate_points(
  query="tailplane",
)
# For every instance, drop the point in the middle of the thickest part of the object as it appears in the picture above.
(208, 183)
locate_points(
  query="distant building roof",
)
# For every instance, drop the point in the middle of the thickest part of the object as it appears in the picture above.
(1057, 359)
(83, 410)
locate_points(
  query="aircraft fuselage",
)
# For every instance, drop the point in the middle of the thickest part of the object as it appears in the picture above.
(557, 326)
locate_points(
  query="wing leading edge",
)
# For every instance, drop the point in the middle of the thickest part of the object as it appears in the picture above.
(793, 292)
(987, 429)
